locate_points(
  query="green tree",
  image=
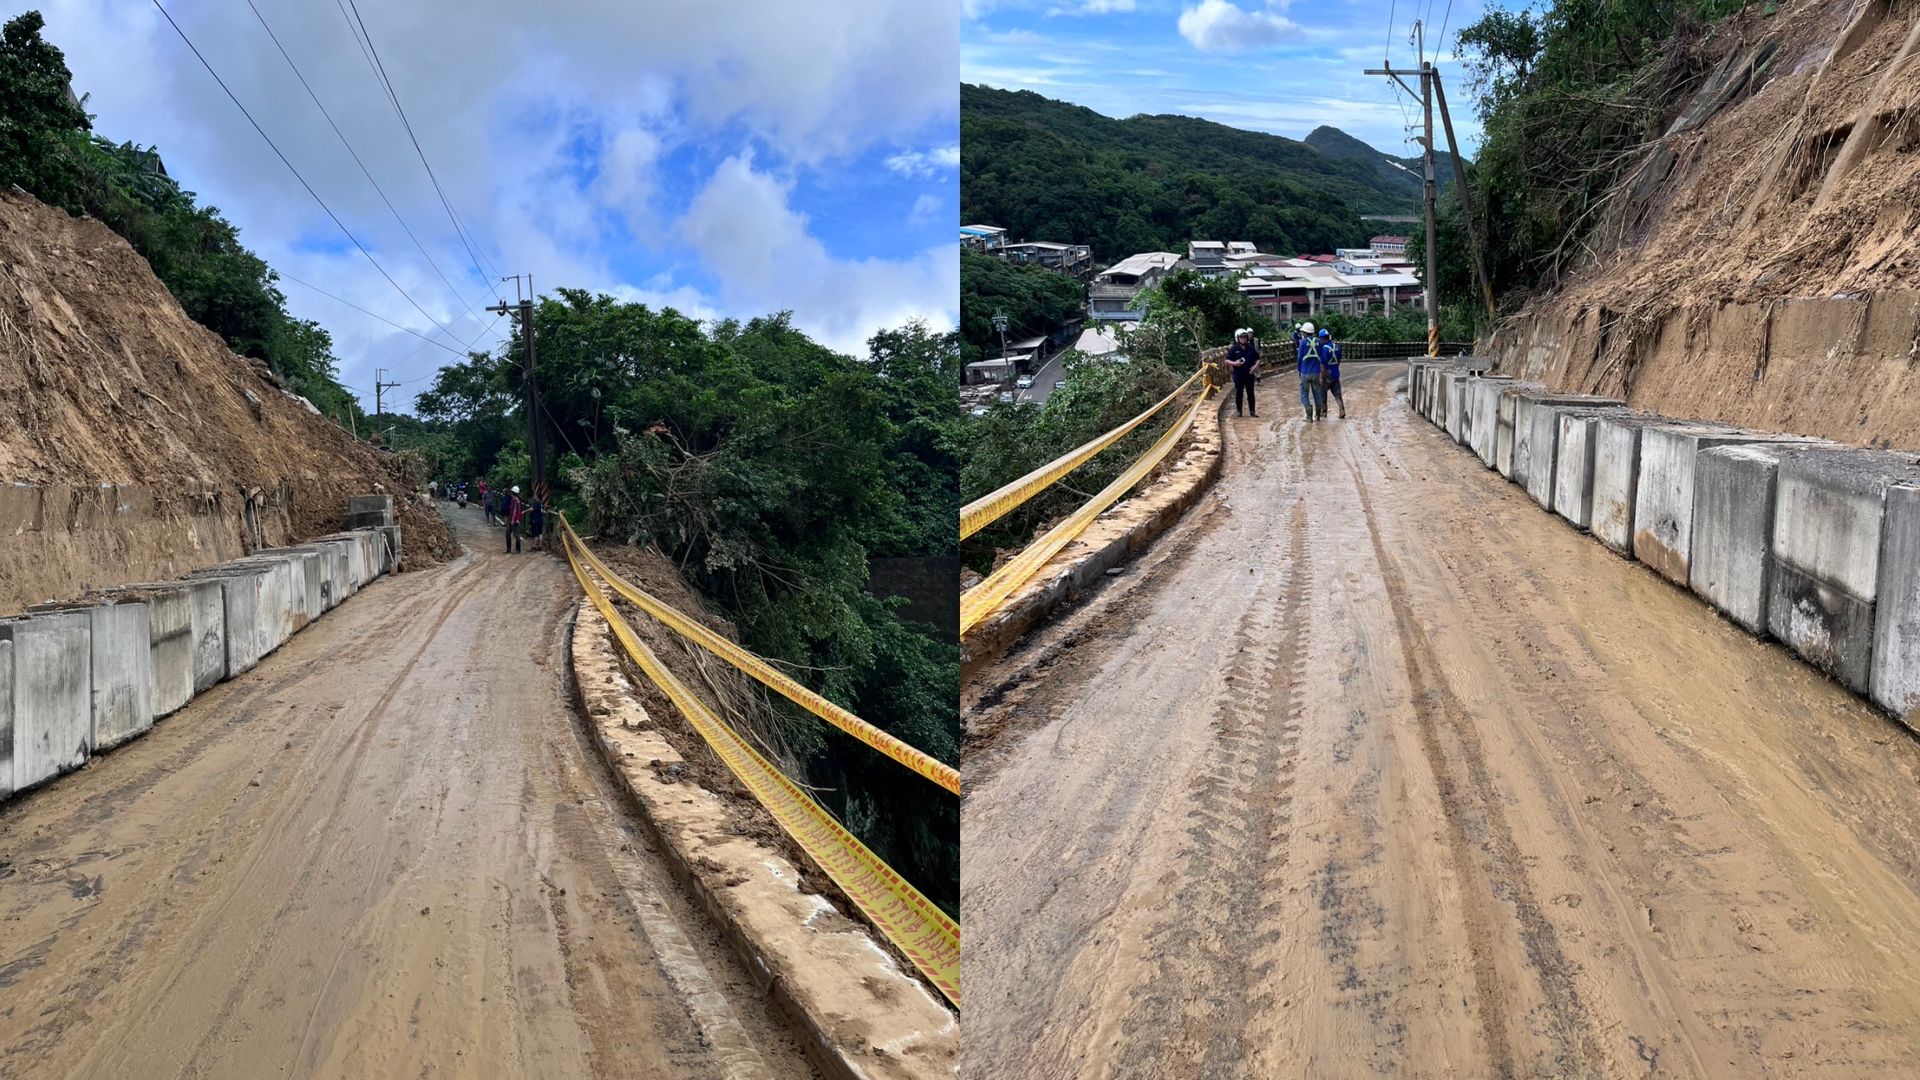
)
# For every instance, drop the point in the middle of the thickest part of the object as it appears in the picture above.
(40, 119)
(1035, 301)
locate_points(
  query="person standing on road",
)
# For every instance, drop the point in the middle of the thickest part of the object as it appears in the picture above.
(1330, 366)
(537, 523)
(486, 506)
(510, 510)
(1243, 359)
(1313, 390)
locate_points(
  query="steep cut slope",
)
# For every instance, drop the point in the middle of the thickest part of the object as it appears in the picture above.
(135, 443)
(1759, 265)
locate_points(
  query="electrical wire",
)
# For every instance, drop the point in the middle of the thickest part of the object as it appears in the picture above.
(376, 315)
(357, 161)
(303, 180)
(381, 70)
(1444, 19)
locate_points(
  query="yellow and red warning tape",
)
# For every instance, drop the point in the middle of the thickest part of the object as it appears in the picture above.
(983, 599)
(905, 753)
(915, 925)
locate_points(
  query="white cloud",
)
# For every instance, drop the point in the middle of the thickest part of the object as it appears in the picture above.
(547, 138)
(1219, 26)
(924, 209)
(767, 259)
(1098, 7)
(924, 163)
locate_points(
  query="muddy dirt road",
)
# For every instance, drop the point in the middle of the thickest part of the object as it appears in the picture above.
(383, 852)
(1373, 768)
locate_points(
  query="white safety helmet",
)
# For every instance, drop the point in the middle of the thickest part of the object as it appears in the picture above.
(1306, 328)
(516, 489)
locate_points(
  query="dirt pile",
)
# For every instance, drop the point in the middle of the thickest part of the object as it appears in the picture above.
(110, 382)
(1758, 263)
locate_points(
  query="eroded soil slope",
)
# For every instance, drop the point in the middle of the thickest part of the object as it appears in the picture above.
(107, 381)
(1758, 265)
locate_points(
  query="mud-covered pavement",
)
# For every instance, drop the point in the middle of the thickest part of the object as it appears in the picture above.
(1371, 767)
(386, 851)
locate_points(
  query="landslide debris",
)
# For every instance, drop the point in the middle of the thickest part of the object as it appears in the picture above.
(108, 381)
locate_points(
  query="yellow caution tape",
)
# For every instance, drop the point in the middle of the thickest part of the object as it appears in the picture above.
(983, 599)
(914, 924)
(989, 508)
(905, 753)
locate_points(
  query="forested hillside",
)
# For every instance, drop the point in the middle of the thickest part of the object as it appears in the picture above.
(1393, 174)
(1048, 170)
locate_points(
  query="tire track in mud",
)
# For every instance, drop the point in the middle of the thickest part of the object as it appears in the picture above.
(1193, 1016)
(1475, 820)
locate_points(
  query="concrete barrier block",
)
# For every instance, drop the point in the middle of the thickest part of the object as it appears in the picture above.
(1530, 430)
(1663, 495)
(392, 534)
(283, 602)
(170, 639)
(1483, 403)
(1830, 510)
(1506, 412)
(1733, 490)
(1459, 421)
(208, 603)
(121, 653)
(241, 614)
(52, 694)
(6, 719)
(1895, 681)
(1573, 467)
(309, 577)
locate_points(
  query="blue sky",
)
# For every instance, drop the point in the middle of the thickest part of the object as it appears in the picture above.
(781, 156)
(1280, 66)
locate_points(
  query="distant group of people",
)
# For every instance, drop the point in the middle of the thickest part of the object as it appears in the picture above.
(1316, 356)
(521, 519)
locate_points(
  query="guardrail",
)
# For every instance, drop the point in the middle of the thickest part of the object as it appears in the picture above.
(914, 924)
(983, 599)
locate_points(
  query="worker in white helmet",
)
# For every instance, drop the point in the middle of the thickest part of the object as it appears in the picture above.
(1313, 390)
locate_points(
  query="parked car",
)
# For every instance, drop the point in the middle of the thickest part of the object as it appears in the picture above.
(1024, 382)
(1006, 397)
(979, 410)
(1058, 383)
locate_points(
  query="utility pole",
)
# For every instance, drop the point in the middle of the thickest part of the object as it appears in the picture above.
(1000, 324)
(1466, 196)
(380, 388)
(536, 445)
(1426, 74)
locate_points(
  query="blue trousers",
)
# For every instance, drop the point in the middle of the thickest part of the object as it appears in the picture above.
(1313, 395)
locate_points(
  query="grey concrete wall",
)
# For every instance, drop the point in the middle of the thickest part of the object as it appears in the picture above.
(52, 694)
(1829, 513)
(1896, 636)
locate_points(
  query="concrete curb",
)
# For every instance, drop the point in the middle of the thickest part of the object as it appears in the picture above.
(860, 1016)
(1114, 537)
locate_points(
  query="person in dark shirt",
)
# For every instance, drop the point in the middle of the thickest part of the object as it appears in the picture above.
(1243, 359)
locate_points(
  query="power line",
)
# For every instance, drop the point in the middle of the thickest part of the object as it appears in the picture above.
(296, 173)
(1441, 47)
(356, 160)
(381, 70)
(382, 318)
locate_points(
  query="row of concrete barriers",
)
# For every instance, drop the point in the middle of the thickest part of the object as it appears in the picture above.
(80, 677)
(1804, 540)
